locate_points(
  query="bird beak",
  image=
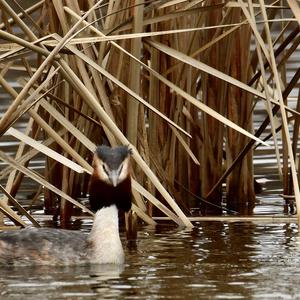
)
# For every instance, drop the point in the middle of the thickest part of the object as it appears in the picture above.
(113, 177)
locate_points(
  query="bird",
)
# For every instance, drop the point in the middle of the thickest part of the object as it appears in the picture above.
(109, 192)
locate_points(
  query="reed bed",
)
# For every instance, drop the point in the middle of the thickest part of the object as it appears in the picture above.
(178, 81)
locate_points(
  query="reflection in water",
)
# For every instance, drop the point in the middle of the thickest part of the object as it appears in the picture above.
(213, 260)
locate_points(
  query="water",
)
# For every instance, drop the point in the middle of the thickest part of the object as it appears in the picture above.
(214, 260)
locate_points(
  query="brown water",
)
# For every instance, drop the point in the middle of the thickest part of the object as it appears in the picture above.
(212, 261)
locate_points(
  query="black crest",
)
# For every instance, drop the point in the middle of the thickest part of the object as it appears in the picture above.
(113, 157)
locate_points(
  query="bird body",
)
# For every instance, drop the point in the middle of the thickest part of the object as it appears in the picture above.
(110, 191)
(43, 246)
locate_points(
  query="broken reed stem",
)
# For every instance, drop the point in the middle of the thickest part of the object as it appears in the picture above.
(283, 112)
(19, 207)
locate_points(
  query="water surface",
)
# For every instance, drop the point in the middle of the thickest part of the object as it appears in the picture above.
(214, 260)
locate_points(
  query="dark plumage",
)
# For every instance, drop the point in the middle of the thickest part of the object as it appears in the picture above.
(104, 195)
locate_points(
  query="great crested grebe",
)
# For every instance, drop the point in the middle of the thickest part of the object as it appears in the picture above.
(110, 191)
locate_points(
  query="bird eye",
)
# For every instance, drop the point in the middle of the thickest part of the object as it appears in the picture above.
(105, 169)
(120, 169)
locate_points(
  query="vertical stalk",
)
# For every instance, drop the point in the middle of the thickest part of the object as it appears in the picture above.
(135, 74)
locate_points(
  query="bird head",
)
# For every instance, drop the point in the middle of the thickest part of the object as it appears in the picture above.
(112, 164)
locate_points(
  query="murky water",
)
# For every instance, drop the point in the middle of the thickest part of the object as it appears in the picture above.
(212, 261)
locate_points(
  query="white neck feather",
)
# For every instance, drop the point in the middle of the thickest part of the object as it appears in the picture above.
(104, 238)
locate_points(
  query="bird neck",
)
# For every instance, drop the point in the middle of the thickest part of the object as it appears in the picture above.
(104, 238)
(102, 194)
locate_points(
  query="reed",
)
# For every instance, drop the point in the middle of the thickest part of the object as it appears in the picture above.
(180, 81)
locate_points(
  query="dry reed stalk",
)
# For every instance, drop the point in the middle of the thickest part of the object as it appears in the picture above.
(218, 74)
(42, 181)
(177, 70)
(28, 155)
(52, 133)
(211, 89)
(134, 75)
(21, 15)
(239, 184)
(198, 104)
(283, 113)
(19, 207)
(12, 216)
(295, 9)
(268, 103)
(258, 133)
